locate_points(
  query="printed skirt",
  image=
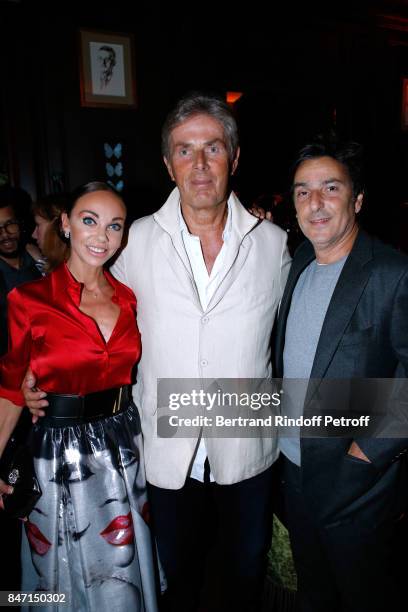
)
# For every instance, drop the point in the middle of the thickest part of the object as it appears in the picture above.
(88, 535)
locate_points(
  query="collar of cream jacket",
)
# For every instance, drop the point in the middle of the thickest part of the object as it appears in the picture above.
(167, 216)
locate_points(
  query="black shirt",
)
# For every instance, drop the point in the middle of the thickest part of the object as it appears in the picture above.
(9, 278)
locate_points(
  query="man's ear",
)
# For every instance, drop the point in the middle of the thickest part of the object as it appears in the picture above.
(358, 203)
(169, 168)
(234, 164)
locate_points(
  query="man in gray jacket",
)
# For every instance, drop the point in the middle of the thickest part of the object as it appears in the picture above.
(346, 305)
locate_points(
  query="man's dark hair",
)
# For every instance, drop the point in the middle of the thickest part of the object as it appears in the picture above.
(17, 199)
(349, 154)
(198, 103)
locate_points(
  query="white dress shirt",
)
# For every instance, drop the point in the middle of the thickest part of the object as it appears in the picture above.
(206, 285)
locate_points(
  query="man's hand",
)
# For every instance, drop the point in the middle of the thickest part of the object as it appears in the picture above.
(356, 451)
(260, 213)
(34, 398)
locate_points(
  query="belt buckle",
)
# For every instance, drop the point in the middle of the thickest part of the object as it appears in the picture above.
(116, 405)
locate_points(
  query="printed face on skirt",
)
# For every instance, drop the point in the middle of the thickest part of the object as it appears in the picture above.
(96, 534)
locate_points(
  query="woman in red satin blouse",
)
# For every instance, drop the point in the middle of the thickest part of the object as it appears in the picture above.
(76, 329)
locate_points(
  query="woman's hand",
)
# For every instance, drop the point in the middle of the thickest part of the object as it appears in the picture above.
(7, 490)
(4, 490)
(9, 415)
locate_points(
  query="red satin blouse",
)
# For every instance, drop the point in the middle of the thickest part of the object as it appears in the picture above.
(63, 346)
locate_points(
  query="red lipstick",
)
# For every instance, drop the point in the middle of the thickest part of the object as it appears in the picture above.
(38, 541)
(119, 532)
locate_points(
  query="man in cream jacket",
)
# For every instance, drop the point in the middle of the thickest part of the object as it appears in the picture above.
(208, 278)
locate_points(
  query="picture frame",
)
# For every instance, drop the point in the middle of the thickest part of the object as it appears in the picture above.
(106, 66)
(404, 105)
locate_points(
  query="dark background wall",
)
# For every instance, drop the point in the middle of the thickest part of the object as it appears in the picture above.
(302, 70)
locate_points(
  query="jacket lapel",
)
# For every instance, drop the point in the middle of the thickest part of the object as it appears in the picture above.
(238, 247)
(347, 293)
(168, 219)
(237, 252)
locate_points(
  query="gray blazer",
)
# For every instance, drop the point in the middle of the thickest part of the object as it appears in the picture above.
(364, 335)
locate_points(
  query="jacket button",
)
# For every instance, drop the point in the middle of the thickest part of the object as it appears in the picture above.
(205, 320)
(204, 362)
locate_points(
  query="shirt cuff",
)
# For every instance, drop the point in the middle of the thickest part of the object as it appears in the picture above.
(16, 397)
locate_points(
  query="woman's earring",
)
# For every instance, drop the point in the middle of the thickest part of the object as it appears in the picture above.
(66, 234)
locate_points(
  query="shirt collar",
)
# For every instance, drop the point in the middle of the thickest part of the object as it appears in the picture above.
(63, 281)
(227, 229)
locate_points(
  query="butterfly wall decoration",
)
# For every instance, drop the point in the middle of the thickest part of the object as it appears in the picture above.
(111, 170)
(115, 151)
(114, 167)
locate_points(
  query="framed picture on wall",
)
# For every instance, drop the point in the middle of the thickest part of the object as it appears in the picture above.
(404, 108)
(107, 76)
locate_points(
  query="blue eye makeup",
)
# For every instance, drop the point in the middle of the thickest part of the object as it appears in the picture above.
(88, 221)
(116, 227)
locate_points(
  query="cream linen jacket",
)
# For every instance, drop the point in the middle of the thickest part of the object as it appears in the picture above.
(231, 339)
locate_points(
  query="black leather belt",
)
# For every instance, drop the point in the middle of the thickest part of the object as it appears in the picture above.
(67, 410)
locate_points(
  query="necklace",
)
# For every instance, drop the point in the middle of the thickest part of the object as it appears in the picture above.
(93, 292)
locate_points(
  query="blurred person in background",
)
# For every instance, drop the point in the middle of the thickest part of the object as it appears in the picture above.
(17, 258)
(278, 209)
(47, 233)
(18, 264)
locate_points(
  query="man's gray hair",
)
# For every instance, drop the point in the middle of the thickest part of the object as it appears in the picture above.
(197, 103)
